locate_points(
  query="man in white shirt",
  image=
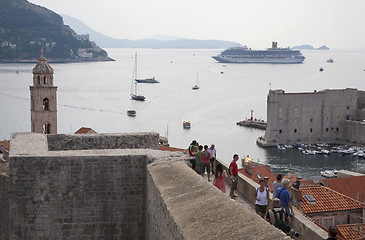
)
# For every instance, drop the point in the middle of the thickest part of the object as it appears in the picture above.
(213, 155)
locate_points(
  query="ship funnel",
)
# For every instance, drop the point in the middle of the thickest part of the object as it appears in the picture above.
(274, 44)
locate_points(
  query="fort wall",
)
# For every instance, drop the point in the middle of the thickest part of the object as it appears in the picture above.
(315, 117)
(353, 132)
(80, 196)
(4, 206)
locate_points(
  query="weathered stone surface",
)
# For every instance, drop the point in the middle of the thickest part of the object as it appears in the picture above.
(4, 206)
(103, 141)
(198, 209)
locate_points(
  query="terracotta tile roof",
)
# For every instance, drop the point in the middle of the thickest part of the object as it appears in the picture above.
(327, 200)
(85, 130)
(351, 231)
(262, 170)
(172, 149)
(5, 143)
(350, 186)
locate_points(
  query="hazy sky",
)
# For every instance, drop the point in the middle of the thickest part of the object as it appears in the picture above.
(256, 23)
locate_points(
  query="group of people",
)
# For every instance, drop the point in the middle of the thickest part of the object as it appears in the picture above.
(202, 160)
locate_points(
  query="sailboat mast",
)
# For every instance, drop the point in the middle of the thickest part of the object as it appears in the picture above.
(135, 66)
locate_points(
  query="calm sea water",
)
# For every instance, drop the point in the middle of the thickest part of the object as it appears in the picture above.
(97, 95)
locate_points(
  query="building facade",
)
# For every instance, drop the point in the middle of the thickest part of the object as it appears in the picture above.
(332, 116)
(43, 97)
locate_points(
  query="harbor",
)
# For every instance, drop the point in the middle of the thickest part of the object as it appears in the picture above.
(213, 110)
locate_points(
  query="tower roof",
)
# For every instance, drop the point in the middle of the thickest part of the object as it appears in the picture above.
(42, 66)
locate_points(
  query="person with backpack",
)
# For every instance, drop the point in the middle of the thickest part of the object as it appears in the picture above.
(262, 198)
(283, 194)
(277, 216)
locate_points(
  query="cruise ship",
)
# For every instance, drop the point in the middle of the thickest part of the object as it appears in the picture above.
(271, 55)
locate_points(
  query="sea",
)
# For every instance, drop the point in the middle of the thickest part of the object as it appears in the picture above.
(97, 95)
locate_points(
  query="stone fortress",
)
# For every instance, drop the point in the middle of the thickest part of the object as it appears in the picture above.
(328, 116)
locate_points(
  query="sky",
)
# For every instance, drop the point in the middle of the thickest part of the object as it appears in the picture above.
(338, 24)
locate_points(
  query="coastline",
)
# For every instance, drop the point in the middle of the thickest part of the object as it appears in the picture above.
(57, 60)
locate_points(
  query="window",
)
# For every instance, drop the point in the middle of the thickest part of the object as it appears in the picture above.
(45, 80)
(46, 128)
(311, 120)
(337, 129)
(295, 130)
(45, 104)
(280, 131)
(347, 107)
(326, 129)
(39, 80)
(311, 129)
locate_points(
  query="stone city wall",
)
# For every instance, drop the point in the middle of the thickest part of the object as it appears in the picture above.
(81, 197)
(308, 229)
(102, 141)
(4, 206)
(160, 223)
(354, 132)
(199, 210)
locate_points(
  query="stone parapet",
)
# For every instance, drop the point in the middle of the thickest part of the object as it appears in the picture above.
(195, 209)
(103, 141)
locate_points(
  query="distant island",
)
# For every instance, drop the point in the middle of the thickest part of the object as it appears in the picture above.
(157, 41)
(26, 28)
(309, 47)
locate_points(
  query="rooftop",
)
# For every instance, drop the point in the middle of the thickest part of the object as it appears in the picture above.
(352, 231)
(85, 130)
(261, 170)
(326, 200)
(350, 186)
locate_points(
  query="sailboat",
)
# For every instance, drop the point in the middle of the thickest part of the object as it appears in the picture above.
(146, 80)
(134, 94)
(134, 88)
(196, 86)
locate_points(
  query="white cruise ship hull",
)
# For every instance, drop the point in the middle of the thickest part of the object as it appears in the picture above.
(240, 59)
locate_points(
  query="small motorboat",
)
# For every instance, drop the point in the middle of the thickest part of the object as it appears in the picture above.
(321, 69)
(131, 112)
(246, 160)
(330, 60)
(186, 125)
(281, 147)
(329, 173)
(196, 85)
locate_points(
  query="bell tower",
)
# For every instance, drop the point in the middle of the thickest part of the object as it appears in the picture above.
(43, 99)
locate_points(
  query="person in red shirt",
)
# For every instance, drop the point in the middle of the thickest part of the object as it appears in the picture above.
(233, 172)
(205, 161)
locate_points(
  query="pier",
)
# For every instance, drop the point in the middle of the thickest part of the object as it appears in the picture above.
(253, 124)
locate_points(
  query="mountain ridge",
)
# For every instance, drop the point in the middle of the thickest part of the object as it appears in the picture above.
(169, 43)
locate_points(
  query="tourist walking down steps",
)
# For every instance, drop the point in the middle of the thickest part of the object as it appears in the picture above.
(233, 173)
